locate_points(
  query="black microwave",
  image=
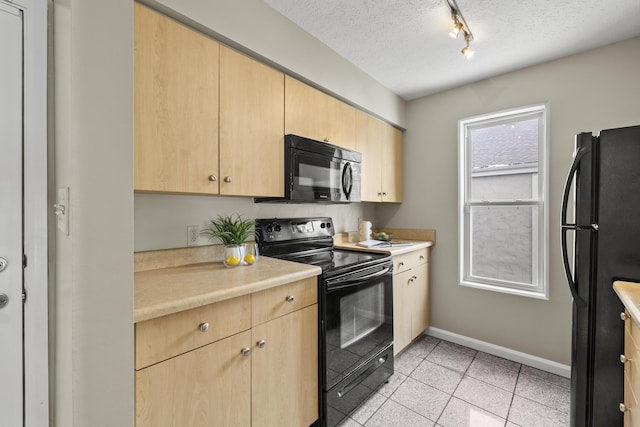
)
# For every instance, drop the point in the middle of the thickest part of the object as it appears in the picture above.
(318, 172)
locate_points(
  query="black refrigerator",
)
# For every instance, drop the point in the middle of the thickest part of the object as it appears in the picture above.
(606, 228)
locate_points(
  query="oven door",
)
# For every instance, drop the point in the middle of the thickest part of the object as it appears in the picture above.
(357, 318)
(318, 177)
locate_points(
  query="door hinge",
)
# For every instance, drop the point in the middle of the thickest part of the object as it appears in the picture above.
(24, 261)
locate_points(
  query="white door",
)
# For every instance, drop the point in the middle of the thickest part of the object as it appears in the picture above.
(11, 230)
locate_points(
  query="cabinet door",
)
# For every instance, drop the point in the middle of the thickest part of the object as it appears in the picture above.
(368, 143)
(285, 370)
(419, 298)
(391, 149)
(210, 386)
(175, 106)
(251, 127)
(316, 115)
(402, 306)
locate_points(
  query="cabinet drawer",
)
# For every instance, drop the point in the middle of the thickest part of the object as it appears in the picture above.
(174, 334)
(410, 260)
(278, 301)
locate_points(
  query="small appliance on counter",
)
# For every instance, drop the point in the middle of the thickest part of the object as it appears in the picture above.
(355, 294)
(607, 248)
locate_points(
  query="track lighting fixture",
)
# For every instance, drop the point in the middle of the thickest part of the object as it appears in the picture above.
(460, 26)
(467, 51)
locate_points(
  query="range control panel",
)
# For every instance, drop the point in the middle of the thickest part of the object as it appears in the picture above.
(292, 229)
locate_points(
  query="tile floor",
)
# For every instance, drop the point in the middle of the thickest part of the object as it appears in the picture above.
(438, 383)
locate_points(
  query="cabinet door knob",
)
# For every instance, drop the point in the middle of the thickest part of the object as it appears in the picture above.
(400, 264)
(384, 193)
(204, 327)
(421, 257)
(290, 298)
(624, 359)
(227, 179)
(245, 351)
(623, 316)
(213, 178)
(261, 343)
(623, 407)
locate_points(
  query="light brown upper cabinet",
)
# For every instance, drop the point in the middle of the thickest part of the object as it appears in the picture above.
(251, 127)
(381, 148)
(316, 115)
(175, 106)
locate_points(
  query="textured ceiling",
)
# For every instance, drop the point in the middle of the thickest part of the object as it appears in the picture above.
(405, 45)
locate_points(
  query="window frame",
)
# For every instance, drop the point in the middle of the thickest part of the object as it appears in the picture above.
(540, 275)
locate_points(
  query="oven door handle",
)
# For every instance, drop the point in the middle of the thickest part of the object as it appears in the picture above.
(339, 283)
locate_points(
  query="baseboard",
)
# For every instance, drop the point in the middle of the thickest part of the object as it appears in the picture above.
(505, 353)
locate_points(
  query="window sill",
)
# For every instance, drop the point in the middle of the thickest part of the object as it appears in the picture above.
(541, 294)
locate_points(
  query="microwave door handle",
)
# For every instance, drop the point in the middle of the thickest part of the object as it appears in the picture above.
(347, 179)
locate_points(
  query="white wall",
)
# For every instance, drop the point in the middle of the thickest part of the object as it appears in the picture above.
(161, 220)
(93, 139)
(591, 91)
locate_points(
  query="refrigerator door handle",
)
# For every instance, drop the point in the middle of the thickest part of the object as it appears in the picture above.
(571, 227)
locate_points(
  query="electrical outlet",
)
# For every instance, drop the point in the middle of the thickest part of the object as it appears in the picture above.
(193, 234)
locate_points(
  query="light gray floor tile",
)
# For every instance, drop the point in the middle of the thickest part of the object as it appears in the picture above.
(392, 414)
(452, 356)
(368, 408)
(421, 398)
(507, 364)
(527, 413)
(494, 372)
(406, 363)
(547, 376)
(462, 414)
(423, 346)
(394, 382)
(485, 396)
(440, 377)
(543, 392)
(348, 422)
(510, 424)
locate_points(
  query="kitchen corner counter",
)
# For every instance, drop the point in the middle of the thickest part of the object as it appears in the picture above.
(163, 291)
(391, 250)
(629, 294)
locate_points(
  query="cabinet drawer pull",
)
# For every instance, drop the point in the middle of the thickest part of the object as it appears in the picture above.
(213, 178)
(290, 298)
(245, 351)
(623, 316)
(227, 179)
(624, 359)
(326, 139)
(623, 407)
(421, 257)
(400, 264)
(204, 327)
(261, 343)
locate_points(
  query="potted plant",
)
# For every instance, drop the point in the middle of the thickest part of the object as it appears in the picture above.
(233, 231)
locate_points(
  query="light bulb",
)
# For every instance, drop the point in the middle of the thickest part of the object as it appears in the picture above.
(467, 51)
(456, 29)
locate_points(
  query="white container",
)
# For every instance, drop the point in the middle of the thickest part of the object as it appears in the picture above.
(365, 230)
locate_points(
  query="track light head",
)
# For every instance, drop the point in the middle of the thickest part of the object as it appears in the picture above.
(467, 51)
(457, 26)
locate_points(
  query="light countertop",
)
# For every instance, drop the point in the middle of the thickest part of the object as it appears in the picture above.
(392, 250)
(629, 294)
(163, 291)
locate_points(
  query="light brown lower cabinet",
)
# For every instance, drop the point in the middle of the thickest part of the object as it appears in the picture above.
(631, 359)
(261, 370)
(410, 297)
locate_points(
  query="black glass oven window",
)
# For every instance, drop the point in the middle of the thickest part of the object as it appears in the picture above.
(361, 313)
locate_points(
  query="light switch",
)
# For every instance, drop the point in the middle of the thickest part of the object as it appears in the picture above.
(62, 209)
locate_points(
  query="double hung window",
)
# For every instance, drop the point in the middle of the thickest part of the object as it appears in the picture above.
(503, 201)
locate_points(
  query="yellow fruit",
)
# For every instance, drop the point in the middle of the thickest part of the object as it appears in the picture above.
(249, 258)
(233, 260)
